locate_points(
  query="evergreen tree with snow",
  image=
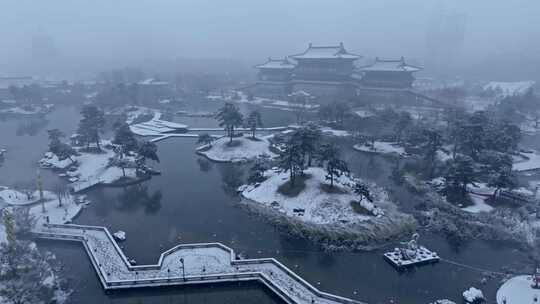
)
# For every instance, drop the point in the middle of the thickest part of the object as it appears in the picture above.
(123, 136)
(147, 150)
(229, 117)
(503, 178)
(308, 138)
(91, 125)
(291, 159)
(55, 136)
(334, 165)
(205, 139)
(59, 148)
(432, 143)
(257, 171)
(253, 122)
(362, 190)
(460, 172)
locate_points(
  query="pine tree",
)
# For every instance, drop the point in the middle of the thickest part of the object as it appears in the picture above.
(460, 172)
(124, 137)
(91, 125)
(335, 166)
(431, 145)
(205, 139)
(291, 159)
(147, 150)
(229, 117)
(308, 138)
(362, 191)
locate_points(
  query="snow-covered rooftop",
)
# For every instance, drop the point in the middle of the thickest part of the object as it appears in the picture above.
(390, 65)
(504, 89)
(325, 52)
(276, 64)
(152, 81)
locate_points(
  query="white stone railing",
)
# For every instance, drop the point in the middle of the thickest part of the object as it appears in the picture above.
(241, 270)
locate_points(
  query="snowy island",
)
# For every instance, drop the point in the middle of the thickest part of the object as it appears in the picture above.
(238, 149)
(381, 147)
(88, 168)
(325, 213)
(518, 289)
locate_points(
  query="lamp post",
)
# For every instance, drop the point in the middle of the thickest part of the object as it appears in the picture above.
(183, 269)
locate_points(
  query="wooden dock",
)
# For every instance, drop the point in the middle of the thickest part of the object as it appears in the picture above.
(185, 264)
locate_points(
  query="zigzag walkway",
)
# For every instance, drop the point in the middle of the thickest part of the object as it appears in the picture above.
(185, 264)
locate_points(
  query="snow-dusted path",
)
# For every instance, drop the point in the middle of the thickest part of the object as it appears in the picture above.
(202, 263)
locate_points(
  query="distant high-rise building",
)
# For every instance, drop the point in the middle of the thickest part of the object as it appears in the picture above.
(43, 47)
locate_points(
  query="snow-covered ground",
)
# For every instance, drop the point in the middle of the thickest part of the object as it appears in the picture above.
(443, 301)
(56, 214)
(267, 102)
(530, 161)
(243, 148)
(319, 206)
(381, 147)
(479, 204)
(504, 89)
(157, 127)
(443, 155)
(364, 113)
(132, 112)
(33, 110)
(334, 132)
(89, 166)
(518, 290)
(16, 198)
(473, 103)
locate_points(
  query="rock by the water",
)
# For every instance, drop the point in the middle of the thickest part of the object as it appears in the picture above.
(443, 301)
(473, 296)
(120, 235)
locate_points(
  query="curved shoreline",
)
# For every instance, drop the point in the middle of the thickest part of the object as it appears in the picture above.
(335, 237)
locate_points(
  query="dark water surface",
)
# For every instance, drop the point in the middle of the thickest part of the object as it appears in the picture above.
(194, 201)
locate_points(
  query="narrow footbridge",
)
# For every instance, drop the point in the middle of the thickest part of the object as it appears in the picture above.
(185, 264)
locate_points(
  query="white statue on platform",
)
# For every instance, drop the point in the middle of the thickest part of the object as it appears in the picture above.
(412, 248)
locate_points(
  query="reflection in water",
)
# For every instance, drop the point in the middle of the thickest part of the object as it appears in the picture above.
(204, 164)
(134, 197)
(232, 177)
(373, 168)
(31, 126)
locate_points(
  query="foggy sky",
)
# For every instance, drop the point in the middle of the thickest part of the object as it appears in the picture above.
(81, 36)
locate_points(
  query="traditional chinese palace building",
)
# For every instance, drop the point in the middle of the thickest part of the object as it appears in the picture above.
(324, 71)
(388, 73)
(273, 78)
(329, 72)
